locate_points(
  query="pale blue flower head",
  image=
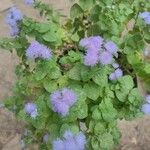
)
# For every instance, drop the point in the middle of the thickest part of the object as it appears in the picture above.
(144, 15)
(62, 100)
(14, 15)
(116, 74)
(70, 142)
(146, 109)
(31, 110)
(105, 58)
(111, 47)
(94, 42)
(14, 31)
(37, 50)
(112, 76)
(91, 58)
(147, 20)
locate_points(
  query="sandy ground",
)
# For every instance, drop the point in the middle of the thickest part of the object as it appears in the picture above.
(135, 135)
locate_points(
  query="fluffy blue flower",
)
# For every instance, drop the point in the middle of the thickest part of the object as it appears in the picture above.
(91, 58)
(98, 51)
(31, 109)
(58, 145)
(145, 16)
(147, 20)
(14, 15)
(37, 50)
(94, 42)
(29, 2)
(111, 47)
(146, 109)
(105, 58)
(62, 100)
(14, 30)
(112, 76)
(70, 142)
(116, 74)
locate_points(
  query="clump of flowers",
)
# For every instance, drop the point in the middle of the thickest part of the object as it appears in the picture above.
(145, 16)
(62, 100)
(75, 89)
(98, 51)
(117, 73)
(37, 50)
(31, 110)
(70, 142)
(13, 17)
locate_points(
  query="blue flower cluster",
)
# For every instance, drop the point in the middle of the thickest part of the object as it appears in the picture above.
(98, 51)
(70, 142)
(14, 15)
(62, 100)
(37, 50)
(146, 106)
(117, 73)
(31, 110)
(145, 16)
(29, 2)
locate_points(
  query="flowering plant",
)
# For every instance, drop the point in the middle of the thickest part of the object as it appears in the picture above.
(76, 79)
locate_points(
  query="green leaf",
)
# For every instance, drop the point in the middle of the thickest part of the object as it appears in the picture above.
(86, 4)
(82, 110)
(74, 128)
(86, 73)
(50, 86)
(101, 77)
(99, 128)
(50, 36)
(55, 73)
(40, 74)
(126, 84)
(43, 27)
(92, 90)
(75, 11)
(96, 115)
(95, 143)
(134, 97)
(106, 141)
(74, 73)
(109, 113)
(75, 37)
(147, 68)
(62, 81)
(74, 56)
(54, 129)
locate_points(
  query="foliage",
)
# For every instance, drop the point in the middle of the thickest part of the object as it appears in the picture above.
(100, 101)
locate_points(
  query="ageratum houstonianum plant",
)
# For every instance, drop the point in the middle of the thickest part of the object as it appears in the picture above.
(76, 79)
